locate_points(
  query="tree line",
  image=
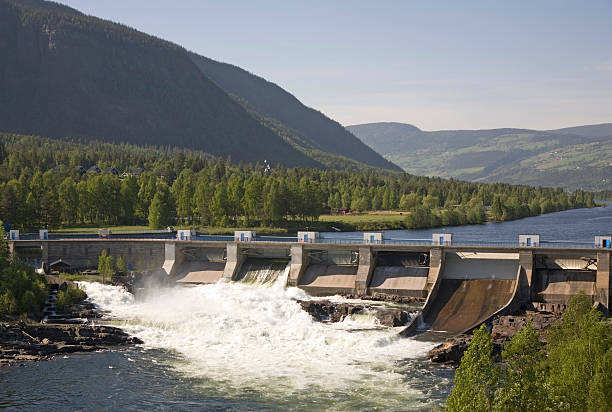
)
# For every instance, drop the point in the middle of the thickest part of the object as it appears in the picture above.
(42, 186)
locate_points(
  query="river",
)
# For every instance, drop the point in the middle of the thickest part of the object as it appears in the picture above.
(234, 346)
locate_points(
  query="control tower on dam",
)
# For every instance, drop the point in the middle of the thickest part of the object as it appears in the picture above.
(461, 285)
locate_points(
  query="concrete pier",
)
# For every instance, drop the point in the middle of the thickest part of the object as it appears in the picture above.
(364, 270)
(235, 257)
(299, 262)
(602, 283)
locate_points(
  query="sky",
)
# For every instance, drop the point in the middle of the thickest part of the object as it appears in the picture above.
(435, 64)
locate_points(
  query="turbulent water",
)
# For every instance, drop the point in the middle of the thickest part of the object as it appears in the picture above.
(243, 342)
(233, 346)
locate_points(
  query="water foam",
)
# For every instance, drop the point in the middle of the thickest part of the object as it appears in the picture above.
(238, 338)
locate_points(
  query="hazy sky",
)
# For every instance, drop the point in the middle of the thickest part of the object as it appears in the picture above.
(435, 64)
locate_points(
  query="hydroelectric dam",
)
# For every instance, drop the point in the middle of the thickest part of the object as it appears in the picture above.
(462, 285)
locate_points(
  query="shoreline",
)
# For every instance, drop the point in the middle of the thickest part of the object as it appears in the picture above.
(29, 340)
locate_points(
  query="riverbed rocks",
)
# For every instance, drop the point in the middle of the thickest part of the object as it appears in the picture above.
(328, 311)
(502, 329)
(24, 341)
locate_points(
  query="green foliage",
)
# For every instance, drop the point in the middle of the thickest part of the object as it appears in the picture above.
(570, 373)
(70, 296)
(122, 266)
(523, 385)
(106, 265)
(22, 290)
(477, 378)
(189, 188)
(577, 347)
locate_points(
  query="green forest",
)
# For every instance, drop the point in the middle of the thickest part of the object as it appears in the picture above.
(46, 183)
(571, 372)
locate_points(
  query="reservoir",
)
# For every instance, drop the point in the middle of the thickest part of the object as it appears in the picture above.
(249, 346)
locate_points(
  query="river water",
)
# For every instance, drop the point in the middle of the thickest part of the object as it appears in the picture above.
(249, 346)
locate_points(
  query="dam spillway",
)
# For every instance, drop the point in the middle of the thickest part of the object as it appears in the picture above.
(461, 285)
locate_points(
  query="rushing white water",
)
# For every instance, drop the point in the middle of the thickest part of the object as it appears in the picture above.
(236, 338)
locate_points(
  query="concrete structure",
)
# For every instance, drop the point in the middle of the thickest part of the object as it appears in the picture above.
(374, 238)
(14, 234)
(183, 234)
(43, 234)
(104, 233)
(529, 240)
(603, 242)
(244, 235)
(307, 237)
(463, 285)
(442, 239)
(234, 259)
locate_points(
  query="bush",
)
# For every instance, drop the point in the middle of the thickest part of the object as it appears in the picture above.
(22, 290)
(70, 296)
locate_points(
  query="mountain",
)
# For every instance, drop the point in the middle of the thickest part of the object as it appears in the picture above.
(68, 75)
(573, 158)
(306, 127)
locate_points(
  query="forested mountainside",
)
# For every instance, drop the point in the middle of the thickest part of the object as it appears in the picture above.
(58, 183)
(572, 158)
(305, 126)
(67, 75)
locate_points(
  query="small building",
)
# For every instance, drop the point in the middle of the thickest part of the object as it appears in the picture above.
(307, 237)
(373, 238)
(244, 235)
(345, 211)
(94, 169)
(529, 240)
(111, 170)
(80, 169)
(137, 172)
(603, 242)
(442, 239)
(184, 234)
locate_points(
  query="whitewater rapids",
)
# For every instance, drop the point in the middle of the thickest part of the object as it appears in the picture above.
(234, 338)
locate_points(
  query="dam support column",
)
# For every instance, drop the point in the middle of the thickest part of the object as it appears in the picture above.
(45, 257)
(436, 262)
(233, 262)
(364, 271)
(526, 264)
(299, 262)
(602, 283)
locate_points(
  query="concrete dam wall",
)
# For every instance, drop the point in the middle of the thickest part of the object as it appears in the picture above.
(473, 287)
(463, 286)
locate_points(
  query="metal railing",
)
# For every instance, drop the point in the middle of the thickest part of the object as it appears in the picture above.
(341, 240)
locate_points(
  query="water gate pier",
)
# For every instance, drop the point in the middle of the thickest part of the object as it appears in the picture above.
(462, 284)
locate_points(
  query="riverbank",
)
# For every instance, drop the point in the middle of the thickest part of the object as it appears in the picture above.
(22, 341)
(503, 329)
(68, 330)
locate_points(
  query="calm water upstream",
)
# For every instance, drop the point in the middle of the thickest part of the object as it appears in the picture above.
(244, 347)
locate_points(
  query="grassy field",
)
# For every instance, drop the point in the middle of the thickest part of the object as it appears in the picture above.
(371, 217)
(357, 221)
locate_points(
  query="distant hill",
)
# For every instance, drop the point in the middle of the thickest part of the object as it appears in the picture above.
(67, 75)
(573, 158)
